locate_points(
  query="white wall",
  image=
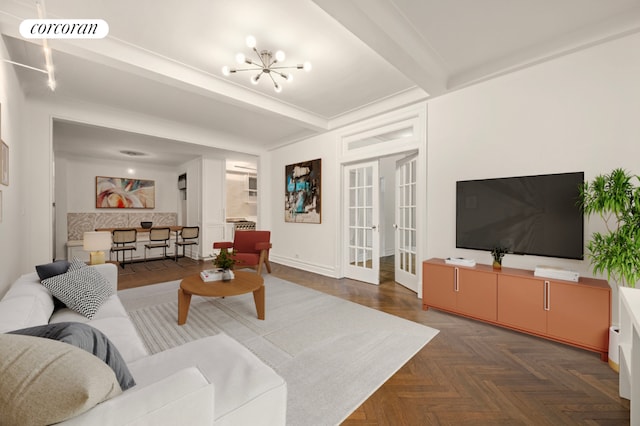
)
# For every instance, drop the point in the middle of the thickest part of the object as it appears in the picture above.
(212, 198)
(75, 188)
(12, 227)
(317, 247)
(306, 246)
(577, 113)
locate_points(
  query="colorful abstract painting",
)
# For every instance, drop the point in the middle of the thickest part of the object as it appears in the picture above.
(124, 193)
(302, 192)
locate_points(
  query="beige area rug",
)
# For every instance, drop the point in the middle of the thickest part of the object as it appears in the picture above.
(333, 353)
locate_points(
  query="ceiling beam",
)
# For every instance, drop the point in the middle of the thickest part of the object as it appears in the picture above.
(380, 25)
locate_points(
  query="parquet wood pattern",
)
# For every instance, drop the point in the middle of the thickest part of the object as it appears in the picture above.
(470, 373)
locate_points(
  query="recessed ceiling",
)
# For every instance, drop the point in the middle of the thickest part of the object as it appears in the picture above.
(164, 58)
(72, 139)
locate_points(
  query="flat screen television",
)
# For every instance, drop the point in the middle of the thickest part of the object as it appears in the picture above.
(536, 215)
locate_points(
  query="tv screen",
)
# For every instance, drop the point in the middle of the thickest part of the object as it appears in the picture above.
(537, 215)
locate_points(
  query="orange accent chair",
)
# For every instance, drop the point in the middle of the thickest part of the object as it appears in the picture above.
(250, 249)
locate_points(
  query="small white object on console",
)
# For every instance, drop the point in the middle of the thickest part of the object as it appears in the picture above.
(460, 261)
(556, 273)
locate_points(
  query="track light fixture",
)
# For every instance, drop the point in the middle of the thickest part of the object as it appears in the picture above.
(51, 80)
(266, 65)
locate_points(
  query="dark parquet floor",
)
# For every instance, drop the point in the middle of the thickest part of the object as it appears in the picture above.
(470, 373)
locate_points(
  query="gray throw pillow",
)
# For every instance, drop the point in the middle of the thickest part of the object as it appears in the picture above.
(88, 338)
(52, 269)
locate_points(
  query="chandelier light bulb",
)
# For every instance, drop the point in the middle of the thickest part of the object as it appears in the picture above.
(240, 58)
(277, 88)
(280, 56)
(251, 42)
(255, 78)
(289, 78)
(226, 71)
(306, 66)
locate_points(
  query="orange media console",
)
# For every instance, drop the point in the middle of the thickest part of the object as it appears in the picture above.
(575, 313)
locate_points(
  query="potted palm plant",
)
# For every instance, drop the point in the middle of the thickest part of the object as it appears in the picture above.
(616, 199)
(616, 252)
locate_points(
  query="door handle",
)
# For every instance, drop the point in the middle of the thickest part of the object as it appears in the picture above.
(374, 227)
(546, 296)
(395, 225)
(456, 284)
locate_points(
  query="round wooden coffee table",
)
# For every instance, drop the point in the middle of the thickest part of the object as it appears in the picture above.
(243, 282)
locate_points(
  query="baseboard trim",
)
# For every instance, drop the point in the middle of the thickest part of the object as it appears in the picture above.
(306, 266)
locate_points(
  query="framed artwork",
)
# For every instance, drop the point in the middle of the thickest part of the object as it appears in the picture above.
(4, 163)
(124, 193)
(302, 192)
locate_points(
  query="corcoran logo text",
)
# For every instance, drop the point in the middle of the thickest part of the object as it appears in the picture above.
(64, 28)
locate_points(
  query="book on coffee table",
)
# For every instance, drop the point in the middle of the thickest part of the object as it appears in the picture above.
(213, 275)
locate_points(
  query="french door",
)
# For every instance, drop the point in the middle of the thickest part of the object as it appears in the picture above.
(361, 260)
(405, 223)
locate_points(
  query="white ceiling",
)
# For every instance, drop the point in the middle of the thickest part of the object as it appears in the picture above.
(163, 58)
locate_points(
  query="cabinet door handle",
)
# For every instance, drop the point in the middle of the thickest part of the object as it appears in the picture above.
(547, 305)
(455, 281)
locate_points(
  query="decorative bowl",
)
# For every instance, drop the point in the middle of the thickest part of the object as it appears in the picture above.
(146, 225)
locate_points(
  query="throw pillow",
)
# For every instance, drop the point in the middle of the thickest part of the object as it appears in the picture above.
(88, 338)
(83, 290)
(52, 269)
(76, 264)
(45, 382)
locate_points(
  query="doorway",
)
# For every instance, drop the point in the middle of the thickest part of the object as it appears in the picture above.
(380, 218)
(391, 156)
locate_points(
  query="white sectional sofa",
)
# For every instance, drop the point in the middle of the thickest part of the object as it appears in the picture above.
(214, 380)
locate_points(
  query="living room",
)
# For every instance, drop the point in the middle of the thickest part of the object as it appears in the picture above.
(572, 110)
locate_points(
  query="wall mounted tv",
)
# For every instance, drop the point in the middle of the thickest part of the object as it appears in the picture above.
(536, 215)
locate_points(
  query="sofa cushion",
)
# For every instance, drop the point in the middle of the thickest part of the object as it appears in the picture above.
(20, 312)
(244, 384)
(52, 269)
(123, 334)
(83, 289)
(110, 308)
(88, 338)
(45, 381)
(29, 285)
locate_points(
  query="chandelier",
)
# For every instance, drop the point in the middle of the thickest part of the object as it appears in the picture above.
(266, 64)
